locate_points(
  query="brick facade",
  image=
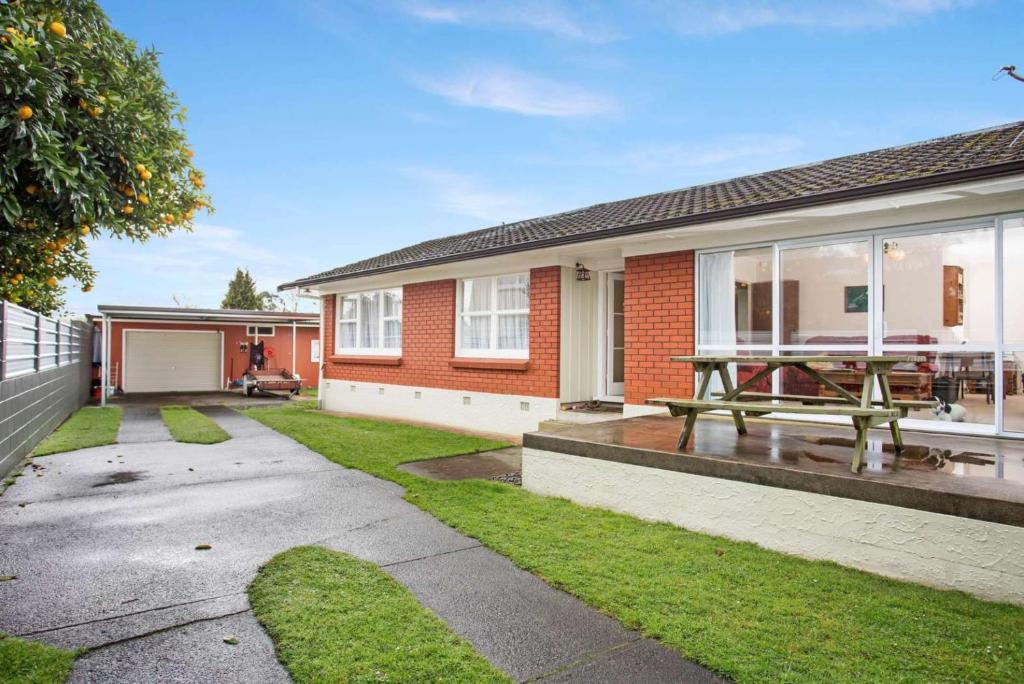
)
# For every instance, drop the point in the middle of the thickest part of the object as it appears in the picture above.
(659, 319)
(428, 343)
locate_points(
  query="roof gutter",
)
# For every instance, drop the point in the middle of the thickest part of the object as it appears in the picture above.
(923, 182)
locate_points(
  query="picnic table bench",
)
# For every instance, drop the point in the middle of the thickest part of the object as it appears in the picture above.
(864, 411)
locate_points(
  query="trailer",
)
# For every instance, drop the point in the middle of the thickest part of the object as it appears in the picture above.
(271, 381)
(259, 378)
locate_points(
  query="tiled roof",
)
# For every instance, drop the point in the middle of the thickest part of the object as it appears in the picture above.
(979, 154)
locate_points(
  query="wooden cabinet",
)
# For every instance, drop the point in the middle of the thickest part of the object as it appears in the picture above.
(952, 296)
(761, 309)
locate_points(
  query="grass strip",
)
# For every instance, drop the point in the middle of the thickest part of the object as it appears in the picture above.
(334, 618)
(188, 425)
(29, 662)
(90, 426)
(750, 613)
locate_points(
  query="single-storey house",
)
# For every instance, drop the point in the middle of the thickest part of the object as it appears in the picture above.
(161, 349)
(915, 249)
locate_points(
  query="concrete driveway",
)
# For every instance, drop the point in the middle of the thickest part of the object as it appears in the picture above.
(102, 542)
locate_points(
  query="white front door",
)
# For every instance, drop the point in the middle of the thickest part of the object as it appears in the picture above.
(615, 336)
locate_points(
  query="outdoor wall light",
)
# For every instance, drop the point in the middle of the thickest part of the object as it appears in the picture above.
(582, 272)
(893, 251)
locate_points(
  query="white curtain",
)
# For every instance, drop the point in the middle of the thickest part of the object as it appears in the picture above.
(716, 294)
(513, 331)
(476, 332)
(369, 320)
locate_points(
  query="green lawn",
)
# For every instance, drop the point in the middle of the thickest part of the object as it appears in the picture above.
(334, 618)
(29, 662)
(88, 427)
(750, 613)
(188, 425)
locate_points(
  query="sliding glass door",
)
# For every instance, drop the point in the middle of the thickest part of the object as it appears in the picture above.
(946, 293)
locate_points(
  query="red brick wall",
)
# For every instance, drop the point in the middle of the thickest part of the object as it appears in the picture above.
(428, 343)
(235, 361)
(659, 324)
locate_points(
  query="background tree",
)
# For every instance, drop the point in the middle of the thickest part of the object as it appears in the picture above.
(242, 293)
(90, 144)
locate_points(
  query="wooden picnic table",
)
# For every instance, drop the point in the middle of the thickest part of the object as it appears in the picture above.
(864, 411)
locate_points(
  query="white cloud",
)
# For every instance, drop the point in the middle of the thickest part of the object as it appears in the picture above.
(460, 194)
(511, 90)
(717, 17)
(546, 17)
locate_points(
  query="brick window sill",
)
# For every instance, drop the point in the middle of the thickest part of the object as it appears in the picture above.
(366, 360)
(490, 364)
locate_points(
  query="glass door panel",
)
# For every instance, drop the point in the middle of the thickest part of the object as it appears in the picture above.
(940, 288)
(735, 297)
(826, 294)
(616, 336)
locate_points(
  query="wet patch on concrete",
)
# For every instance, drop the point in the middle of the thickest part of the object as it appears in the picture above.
(486, 465)
(121, 477)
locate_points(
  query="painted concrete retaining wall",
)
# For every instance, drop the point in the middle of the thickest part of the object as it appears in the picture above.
(944, 551)
(500, 414)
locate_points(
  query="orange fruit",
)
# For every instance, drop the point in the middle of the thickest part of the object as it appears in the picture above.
(140, 168)
(144, 199)
(146, 174)
(58, 29)
(24, 112)
(87, 288)
(51, 281)
(49, 261)
(127, 209)
(31, 188)
(84, 230)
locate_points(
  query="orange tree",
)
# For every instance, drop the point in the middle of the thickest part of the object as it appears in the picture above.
(91, 143)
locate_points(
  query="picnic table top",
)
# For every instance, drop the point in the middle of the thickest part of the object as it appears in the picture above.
(798, 360)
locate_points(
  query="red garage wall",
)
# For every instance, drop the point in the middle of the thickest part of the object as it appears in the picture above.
(428, 345)
(235, 361)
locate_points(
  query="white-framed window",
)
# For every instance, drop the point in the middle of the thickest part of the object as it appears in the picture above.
(494, 317)
(314, 351)
(261, 330)
(369, 323)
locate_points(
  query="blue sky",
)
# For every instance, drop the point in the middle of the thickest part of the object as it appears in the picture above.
(331, 131)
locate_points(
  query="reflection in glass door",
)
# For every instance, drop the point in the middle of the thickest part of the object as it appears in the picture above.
(948, 293)
(615, 345)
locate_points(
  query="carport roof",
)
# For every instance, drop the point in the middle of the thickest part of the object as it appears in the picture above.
(164, 313)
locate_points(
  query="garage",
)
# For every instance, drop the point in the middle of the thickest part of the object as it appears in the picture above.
(158, 349)
(172, 361)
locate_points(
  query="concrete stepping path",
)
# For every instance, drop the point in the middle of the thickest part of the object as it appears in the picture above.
(109, 563)
(142, 424)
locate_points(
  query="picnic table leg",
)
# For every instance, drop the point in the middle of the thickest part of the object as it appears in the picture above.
(684, 436)
(887, 402)
(861, 425)
(737, 416)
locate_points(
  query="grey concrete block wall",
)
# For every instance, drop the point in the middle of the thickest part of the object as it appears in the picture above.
(32, 405)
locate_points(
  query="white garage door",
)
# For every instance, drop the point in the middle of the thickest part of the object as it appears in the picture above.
(171, 361)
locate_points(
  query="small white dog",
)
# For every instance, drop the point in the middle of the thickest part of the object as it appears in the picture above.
(950, 413)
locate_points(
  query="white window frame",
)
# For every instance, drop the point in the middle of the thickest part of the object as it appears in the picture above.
(877, 237)
(254, 330)
(314, 350)
(493, 352)
(366, 351)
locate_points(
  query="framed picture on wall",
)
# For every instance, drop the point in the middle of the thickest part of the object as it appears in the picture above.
(855, 298)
